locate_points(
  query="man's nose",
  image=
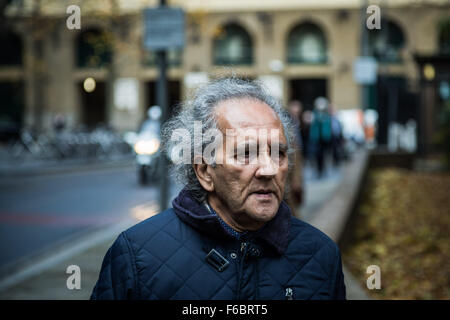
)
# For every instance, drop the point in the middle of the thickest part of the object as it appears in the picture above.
(267, 167)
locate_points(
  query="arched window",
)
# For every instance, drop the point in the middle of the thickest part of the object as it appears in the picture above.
(93, 49)
(306, 44)
(233, 46)
(385, 44)
(444, 38)
(11, 52)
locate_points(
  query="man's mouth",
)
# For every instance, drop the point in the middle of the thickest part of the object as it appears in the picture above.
(263, 194)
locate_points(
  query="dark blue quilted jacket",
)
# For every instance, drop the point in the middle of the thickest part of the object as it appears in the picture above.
(187, 253)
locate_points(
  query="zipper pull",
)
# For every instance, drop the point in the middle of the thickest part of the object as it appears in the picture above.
(289, 293)
(244, 247)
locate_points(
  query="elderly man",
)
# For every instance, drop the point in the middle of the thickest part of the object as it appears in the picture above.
(229, 234)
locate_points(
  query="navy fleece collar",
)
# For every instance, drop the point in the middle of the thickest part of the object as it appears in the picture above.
(230, 230)
(275, 232)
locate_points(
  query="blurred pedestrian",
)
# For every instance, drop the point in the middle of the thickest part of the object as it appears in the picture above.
(305, 127)
(320, 134)
(336, 136)
(59, 122)
(152, 122)
(229, 234)
(295, 198)
(295, 111)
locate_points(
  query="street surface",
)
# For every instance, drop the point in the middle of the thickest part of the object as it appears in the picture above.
(40, 211)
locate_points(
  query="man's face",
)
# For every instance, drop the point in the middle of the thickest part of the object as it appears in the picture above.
(247, 190)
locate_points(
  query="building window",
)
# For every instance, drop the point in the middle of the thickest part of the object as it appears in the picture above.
(444, 38)
(174, 58)
(306, 44)
(386, 44)
(11, 52)
(232, 46)
(94, 49)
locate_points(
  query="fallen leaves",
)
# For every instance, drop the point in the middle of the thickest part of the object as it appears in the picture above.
(403, 226)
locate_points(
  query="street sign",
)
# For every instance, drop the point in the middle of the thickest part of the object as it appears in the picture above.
(365, 70)
(164, 28)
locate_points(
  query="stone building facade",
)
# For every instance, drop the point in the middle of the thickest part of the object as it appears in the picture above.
(302, 49)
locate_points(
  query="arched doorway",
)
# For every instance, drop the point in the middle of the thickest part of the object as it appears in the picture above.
(306, 44)
(11, 91)
(93, 51)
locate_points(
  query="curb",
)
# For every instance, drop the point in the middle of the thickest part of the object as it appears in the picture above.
(59, 253)
(333, 215)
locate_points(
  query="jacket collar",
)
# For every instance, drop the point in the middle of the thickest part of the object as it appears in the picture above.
(275, 233)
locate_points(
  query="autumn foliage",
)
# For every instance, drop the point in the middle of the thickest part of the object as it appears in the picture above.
(403, 226)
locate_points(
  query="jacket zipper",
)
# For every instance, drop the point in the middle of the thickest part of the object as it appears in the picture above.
(244, 247)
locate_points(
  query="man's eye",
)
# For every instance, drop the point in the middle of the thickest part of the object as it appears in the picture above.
(245, 152)
(282, 154)
(244, 155)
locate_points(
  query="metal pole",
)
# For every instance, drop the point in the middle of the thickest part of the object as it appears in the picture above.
(161, 98)
(364, 52)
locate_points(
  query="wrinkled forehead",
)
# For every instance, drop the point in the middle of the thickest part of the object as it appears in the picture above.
(246, 115)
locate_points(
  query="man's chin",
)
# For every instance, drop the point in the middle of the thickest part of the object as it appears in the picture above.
(264, 213)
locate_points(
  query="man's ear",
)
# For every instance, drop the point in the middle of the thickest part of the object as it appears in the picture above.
(202, 171)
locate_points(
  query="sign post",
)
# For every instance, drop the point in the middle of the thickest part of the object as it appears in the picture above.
(163, 29)
(363, 63)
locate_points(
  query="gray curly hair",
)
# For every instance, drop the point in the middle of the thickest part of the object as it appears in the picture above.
(201, 108)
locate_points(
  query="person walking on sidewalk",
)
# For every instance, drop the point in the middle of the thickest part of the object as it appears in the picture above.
(295, 180)
(320, 134)
(229, 234)
(336, 136)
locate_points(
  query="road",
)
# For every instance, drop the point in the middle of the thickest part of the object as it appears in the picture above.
(37, 212)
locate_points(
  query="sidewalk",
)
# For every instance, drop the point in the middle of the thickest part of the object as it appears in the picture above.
(326, 202)
(317, 191)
